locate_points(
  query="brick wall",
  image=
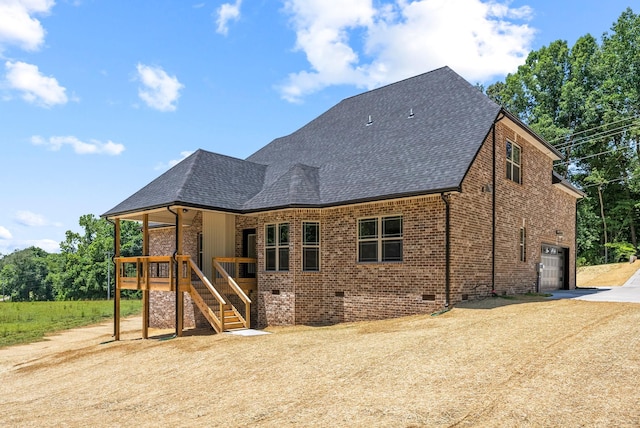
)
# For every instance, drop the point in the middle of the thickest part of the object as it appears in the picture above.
(383, 290)
(543, 208)
(536, 203)
(346, 290)
(162, 304)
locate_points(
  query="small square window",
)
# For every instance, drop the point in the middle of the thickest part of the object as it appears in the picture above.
(376, 247)
(368, 228)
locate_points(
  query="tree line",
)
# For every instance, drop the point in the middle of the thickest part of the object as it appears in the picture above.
(78, 272)
(585, 100)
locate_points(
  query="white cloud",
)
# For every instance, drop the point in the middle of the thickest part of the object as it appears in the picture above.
(400, 38)
(227, 12)
(49, 245)
(30, 219)
(174, 162)
(4, 233)
(93, 147)
(19, 27)
(160, 90)
(35, 87)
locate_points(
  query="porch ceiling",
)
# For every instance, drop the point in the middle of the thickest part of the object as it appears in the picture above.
(162, 216)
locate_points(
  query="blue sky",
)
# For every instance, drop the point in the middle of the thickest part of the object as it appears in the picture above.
(99, 97)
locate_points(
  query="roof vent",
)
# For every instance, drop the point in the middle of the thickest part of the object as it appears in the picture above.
(410, 114)
(370, 121)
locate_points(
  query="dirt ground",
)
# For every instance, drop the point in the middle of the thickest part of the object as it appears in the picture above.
(609, 275)
(498, 362)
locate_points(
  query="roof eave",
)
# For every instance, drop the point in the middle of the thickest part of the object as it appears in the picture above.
(142, 210)
(532, 133)
(355, 201)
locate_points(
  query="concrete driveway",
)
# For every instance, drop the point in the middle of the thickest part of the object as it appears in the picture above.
(629, 292)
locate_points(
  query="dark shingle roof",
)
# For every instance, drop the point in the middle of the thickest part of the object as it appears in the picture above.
(395, 154)
(204, 179)
(424, 134)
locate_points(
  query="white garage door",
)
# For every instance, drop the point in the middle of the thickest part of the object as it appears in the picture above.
(552, 259)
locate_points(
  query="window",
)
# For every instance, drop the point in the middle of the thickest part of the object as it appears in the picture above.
(514, 171)
(380, 239)
(311, 246)
(200, 251)
(277, 247)
(523, 244)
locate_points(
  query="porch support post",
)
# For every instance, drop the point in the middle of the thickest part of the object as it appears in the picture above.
(116, 296)
(179, 294)
(145, 290)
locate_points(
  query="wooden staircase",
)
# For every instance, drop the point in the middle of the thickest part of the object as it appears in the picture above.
(232, 319)
(218, 308)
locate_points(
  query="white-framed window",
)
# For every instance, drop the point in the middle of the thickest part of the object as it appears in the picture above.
(523, 244)
(276, 243)
(311, 246)
(514, 162)
(380, 239)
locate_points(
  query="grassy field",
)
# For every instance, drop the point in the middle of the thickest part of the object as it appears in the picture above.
(520, 362)
(22, 322)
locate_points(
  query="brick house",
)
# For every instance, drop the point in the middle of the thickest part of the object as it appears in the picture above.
(402, 200)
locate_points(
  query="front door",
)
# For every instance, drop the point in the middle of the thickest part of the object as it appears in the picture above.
(249, 250)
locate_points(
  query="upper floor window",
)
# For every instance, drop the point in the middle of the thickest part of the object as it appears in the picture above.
(311, 246)
(276, 252)
(380, 239)
(514, 167)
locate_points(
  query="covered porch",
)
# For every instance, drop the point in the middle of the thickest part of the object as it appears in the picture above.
(192, 251)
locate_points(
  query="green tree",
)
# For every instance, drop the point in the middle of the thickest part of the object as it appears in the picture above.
(23, 275)
(80, 271)
(585, 100)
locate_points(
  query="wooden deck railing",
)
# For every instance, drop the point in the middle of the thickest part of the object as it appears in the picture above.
(158, 273)
(145, 273)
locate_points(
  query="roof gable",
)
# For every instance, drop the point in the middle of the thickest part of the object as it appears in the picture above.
(299, 186)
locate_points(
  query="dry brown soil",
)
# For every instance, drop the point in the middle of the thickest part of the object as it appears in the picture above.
(609, 275)
(498, 362)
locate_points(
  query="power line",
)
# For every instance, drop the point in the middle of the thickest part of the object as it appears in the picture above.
(605, 182)
(594, 128)
(609, 135)
(603, 134)
(594, 155)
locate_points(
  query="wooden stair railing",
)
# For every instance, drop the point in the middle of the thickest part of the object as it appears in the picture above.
(206, 291)
(157, 273)
(234, 294)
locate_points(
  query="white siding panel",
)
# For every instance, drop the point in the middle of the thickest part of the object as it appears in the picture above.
(218, 240)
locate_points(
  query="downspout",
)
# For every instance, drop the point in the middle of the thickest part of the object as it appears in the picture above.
(493, 211)
(575, 248)
(175, 253)
(447, 251)
(114, 270)
(493, 205)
